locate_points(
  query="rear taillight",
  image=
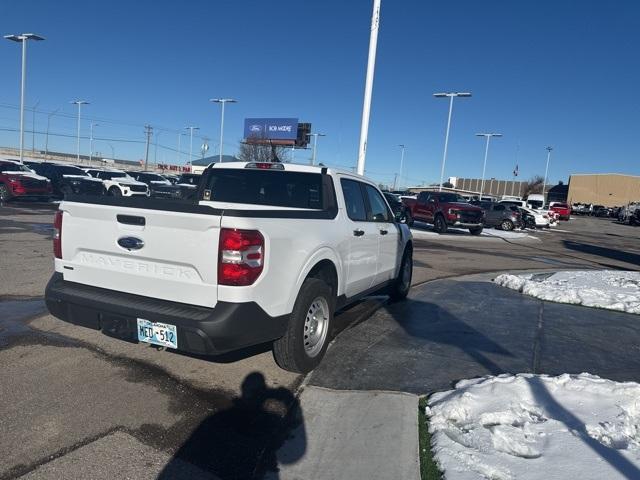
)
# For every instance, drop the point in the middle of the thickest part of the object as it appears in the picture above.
(57, 234)
(241, 256)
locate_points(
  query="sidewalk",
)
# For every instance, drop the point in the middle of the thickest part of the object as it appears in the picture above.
(352, 434)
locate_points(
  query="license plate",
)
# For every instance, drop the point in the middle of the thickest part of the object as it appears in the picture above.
(157, 333)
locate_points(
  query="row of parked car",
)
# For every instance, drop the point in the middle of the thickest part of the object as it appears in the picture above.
(449, 209)
(46, 180)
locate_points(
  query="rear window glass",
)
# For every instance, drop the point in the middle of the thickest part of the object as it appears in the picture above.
(266, 187)
(64, 170)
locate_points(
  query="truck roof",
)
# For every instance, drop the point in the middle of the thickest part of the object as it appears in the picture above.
(296, 167)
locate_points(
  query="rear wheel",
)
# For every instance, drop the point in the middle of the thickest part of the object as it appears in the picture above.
(506, 225)
(305, 342)
(400, 288)
(439, 224)
(5, 193)
(475, 231)
(408, 219)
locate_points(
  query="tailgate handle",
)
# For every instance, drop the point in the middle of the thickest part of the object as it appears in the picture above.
(131, 220)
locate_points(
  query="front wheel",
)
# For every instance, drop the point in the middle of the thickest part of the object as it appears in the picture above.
(507, 225)
(307, 337)
(475, 231)
(115, 192)
(401, 285)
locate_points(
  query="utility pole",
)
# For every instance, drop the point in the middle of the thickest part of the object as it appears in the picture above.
(488, 137)
(148, 130)
(401, 163)
(91, 141)
(368, 86)
(33, 127)
(46, 141)
(79, 103)
(451, 96)
(222, 101)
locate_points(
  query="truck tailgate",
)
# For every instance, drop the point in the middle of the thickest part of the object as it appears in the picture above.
(177, 259)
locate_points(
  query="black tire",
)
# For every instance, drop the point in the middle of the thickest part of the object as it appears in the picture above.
(507, 225)
(292, 352)
(476, 231)
(408, 219)
(439, 224)
(5, 193)
(402, 284)
(115, 192)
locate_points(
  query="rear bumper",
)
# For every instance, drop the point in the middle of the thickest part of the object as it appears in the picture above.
(465, 224)
(203, 331)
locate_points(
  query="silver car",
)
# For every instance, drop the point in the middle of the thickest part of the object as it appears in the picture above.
(500, 215)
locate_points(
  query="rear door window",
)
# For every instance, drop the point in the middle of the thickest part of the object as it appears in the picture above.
(379, 212)
(266, 187)
(354, 201)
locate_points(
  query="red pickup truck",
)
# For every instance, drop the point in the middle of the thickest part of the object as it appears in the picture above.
(562, 209)
(443, 210)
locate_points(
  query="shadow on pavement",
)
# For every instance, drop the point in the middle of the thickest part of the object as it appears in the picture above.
(611, 253)
(241, 442)
(610, 455)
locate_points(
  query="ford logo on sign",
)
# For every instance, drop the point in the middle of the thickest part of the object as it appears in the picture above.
(131, 243)
(255, 128)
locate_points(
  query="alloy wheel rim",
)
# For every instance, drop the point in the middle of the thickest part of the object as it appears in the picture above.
(316, 326)
(406, 273)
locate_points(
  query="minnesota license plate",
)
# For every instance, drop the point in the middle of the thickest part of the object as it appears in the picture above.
(157, 333)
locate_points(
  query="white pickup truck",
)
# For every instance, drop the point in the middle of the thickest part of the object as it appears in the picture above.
(266, 253)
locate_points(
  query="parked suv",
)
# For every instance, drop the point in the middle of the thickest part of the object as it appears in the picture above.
(562, 209)
(17, 180)
(118, 184)
(499, 215)
(67, 180)
(443, 210)
(159, 186)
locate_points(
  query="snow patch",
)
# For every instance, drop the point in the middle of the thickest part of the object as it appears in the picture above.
(610, 289)
(537, 427)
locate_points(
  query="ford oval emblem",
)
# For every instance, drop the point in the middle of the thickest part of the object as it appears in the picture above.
(131, 243)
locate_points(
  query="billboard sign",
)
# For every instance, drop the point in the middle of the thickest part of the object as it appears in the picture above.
(271, 128)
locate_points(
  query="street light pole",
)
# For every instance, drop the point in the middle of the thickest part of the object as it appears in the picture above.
(46, 141)
(191, 129)
(23, 39)
(368, 86)
(113, 152)
(222, 101)
(451, 96)
(91, 141)
(315, 145)
(401, 163)
(546, 171)
(79, 103)
(486, 154)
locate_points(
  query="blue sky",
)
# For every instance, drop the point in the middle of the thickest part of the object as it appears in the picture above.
(543, 72)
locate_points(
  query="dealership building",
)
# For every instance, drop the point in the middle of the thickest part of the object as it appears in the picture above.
(608, 189)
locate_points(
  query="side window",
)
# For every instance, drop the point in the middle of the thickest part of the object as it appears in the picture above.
(379, 211)
(423, 197)
(353, 200)
(498, 208)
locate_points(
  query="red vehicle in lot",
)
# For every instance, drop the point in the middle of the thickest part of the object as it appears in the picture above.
(562, 209)
(443, 210)
(17, 180)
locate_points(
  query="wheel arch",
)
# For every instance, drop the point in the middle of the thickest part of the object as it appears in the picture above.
(323, 264)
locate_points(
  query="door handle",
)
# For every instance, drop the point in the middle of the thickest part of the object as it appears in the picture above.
(383, 232)
(358, 233)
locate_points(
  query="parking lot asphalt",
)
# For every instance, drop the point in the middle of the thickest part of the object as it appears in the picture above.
(71, 392)
(467, 327)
